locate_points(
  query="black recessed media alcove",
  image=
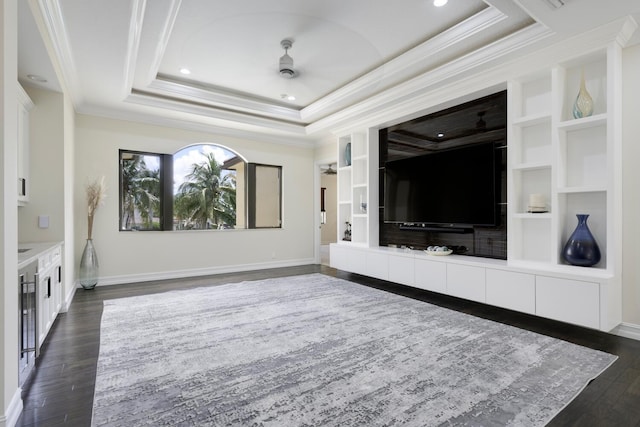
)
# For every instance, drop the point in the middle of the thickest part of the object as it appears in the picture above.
(443, 179)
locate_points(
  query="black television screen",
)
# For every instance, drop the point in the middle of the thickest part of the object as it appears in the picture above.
(458, 187)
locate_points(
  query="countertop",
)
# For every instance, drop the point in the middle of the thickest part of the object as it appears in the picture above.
(34, 251)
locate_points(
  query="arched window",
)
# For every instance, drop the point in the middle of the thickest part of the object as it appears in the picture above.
(207, 180)
(200, 187)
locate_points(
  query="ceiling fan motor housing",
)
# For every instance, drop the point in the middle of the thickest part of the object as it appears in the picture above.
(286, 62)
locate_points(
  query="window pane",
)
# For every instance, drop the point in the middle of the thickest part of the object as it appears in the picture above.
(140, 191)
(206, 188)
(266, 196)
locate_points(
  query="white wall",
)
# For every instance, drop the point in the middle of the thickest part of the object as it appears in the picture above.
(631, 186)
(46, 147)
(69, 212)
(10, 400)
(130, 256)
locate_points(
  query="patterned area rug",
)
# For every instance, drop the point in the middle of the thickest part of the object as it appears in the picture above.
(314, 350)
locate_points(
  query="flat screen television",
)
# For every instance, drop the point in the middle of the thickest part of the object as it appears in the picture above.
(453, 188)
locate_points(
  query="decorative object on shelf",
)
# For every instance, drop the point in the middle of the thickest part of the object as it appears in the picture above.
(363, 205)
(439, 250)
(583, 106)
(581, 249)
(347, 154)
(89, 267)
(347, 232)
(537, 203)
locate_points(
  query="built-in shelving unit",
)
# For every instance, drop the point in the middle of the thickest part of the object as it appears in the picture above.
(567, 160)
(357, 200)
(572, 164)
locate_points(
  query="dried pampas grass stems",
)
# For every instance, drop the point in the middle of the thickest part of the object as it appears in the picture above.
(96, 193)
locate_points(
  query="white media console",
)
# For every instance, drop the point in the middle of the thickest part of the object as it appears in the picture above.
(583, 297)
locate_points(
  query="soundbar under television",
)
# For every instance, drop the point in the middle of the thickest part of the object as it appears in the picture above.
(457, 188)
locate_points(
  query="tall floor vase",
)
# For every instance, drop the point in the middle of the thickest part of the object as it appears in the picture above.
(581, 248)
(89, 267)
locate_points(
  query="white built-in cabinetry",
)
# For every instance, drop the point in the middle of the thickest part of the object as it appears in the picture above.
(574, 163)
(588, 299)
(49, 289)
(357, 201)
(24, 106)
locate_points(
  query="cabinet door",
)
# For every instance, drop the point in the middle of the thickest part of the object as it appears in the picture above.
(45, 284)
(24, 105)
(515, 291)
(378, 265)
(430, 275)
(571, 301)
(401, 269)
(339, 257)
(465, 281)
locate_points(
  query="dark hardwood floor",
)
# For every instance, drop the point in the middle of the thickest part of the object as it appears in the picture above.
(60, 392)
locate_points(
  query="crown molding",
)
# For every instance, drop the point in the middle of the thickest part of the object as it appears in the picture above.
(141, 98)
(163, 40)
(164, 86)
(414, 88)
(50, 16)
(216, 129)
(420, 56)
(133, 45)
(629, 28)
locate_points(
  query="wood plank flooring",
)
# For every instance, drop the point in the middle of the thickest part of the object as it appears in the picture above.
(60, 392)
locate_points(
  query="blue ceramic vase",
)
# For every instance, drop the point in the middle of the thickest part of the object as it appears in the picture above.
(581, 248)
(347, 154)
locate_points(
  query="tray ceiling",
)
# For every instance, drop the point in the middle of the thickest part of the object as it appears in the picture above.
(123, 59)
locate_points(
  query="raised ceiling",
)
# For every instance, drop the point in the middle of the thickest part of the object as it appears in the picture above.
(123, 59)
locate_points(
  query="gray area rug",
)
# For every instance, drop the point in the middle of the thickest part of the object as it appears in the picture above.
(314, 350)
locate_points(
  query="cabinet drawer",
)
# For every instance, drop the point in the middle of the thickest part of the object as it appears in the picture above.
(401, 269)
(515, 291)
(430, 275)
(338, 257)
(571, 301)
(466, 281)
(378, 265)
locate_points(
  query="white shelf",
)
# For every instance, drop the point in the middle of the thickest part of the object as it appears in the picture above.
(583, 123)
(532, 166)
(532, 120)
(529, 215)
(583, 189)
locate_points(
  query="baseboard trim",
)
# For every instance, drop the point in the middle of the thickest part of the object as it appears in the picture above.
(177, 274)
(10, 417)
(627, 330)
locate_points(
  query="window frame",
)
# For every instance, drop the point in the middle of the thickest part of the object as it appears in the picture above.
(166, 196)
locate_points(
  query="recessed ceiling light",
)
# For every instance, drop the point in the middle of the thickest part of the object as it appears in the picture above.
(291, 98)
(439, 3)
(185, 71)
(36, 78)
(440, 135)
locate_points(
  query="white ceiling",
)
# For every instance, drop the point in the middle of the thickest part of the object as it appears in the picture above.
(123, 58)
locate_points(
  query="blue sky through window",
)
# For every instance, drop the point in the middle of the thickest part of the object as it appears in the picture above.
(184, 160)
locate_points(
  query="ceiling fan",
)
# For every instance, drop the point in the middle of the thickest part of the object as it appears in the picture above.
(285, 65)
(329, 170)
